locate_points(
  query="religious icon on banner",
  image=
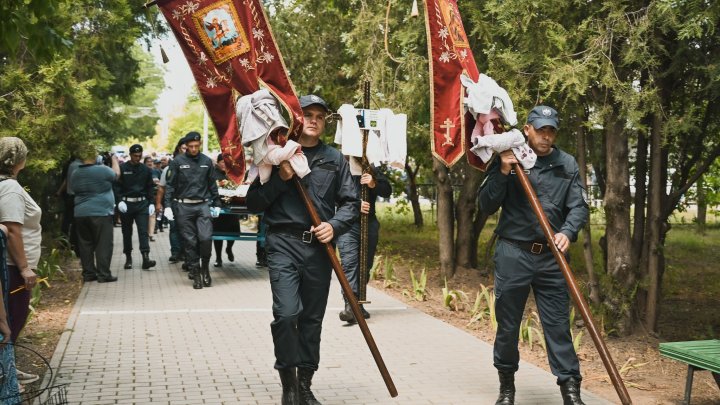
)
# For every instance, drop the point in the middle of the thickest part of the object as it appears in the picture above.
(451, 16)
(220, 31)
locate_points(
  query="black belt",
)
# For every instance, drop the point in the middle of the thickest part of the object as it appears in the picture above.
(534, 247)
(298, 233)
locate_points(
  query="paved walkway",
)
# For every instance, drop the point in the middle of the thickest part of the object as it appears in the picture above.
(151, 338)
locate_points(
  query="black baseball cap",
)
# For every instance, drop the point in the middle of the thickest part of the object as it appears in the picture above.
(137, 148)
(192, 136)
(543, 116)
(310, 99)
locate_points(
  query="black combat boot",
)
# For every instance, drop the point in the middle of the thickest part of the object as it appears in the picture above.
(570, 391)
(261, 258)
(196, 276)
(346, 314)
(507, 388)
(288, 378)
(147, 263)
(365, 313)
(128, 261)
(206, 280)
(305, 376)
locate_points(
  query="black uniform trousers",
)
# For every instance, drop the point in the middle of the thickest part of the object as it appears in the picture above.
(95, 244)
(516, 271)
(195, 227)
(300, 283)
(349, 247)
(137, 212)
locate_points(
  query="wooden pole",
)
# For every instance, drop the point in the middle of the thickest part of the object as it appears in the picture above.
(573, 287)
(330, 250)
(364, 218)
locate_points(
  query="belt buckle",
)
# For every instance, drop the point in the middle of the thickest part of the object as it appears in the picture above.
(536, 248)
(307, 237)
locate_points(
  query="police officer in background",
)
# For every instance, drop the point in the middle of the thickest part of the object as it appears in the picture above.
(523, 260)
(349, 243)
(134, 192)
(192, 194)
(298, 264)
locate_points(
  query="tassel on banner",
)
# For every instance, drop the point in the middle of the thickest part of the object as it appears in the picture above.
(414, 11)
(165, 58)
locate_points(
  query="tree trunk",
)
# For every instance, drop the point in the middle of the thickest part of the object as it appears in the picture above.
(654, 244)
(413, 193)
(701, 205)
(594, 291)
(445, 219)
(617, 213)
(640, 196)
(465, 214)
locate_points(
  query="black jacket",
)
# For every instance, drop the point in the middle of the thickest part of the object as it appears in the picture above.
(557, 183)
(191, 177)
(329, 186)
(382, 188)
(135, 181)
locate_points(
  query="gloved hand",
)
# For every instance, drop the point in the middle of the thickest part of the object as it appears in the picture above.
(214, 212)
(151, 209)
(122, 207)
(169, 214)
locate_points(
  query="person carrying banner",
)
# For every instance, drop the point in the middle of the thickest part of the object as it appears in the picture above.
(523, 260)
(298, 265)
(349, 243)
(192, 194)
(134, 194)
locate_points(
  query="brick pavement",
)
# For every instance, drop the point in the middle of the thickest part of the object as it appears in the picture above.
(151, 338)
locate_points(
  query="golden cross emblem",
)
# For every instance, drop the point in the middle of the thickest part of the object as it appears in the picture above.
(230, 148)
(447, 125)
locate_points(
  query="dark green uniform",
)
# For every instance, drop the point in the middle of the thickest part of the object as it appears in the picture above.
(524, 261)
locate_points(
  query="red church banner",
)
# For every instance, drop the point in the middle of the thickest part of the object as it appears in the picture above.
(229, 46)
(450, 55)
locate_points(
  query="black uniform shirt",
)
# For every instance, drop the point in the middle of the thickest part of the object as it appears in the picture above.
(382, 188)
(135, 181)
(191, 177)
(557, 183)
(329, 186)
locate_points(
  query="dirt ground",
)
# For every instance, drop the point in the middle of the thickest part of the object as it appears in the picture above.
(650, 378)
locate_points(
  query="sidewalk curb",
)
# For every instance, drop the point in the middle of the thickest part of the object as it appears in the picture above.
(62, 344)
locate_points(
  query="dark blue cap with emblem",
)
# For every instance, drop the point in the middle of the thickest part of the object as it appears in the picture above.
(543, 116)
(137, 148)
(192, 136)
(310, 99)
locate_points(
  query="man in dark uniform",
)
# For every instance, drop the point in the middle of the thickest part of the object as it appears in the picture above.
(349, 243)
(134, 194)
(523, 259)
(192, 194)
(298, 264)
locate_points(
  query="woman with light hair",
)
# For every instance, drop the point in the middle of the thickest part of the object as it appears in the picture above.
(21, 215)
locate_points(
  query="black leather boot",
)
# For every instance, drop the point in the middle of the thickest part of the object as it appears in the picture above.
(205, 269)
(570, 391)
(147, 263)
(128, 261)
(288, 378)
(196, 276)
(507, 388)
(305, 376)
(346, 314)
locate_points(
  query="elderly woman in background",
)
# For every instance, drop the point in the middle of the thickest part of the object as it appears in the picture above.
(21, 215)
(94, 207)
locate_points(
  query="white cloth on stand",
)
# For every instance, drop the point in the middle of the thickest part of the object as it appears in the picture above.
(348, 132)
(396, 128)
